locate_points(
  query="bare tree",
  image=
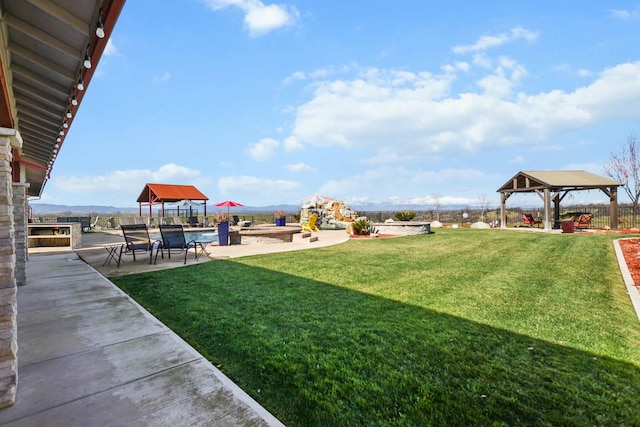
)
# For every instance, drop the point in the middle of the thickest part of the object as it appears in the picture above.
(624, 167)
(436, 197)
(483, 204)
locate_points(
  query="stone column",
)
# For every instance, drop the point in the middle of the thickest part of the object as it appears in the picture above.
(9, 139)
(20, 221)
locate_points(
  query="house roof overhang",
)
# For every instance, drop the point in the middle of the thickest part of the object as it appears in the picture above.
(43, 45)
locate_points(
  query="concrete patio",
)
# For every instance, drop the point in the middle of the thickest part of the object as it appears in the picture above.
(90, 356)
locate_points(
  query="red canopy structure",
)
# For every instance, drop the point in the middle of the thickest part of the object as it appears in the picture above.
(159, 194)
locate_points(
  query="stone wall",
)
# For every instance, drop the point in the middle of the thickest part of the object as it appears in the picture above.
(20, 224)
(8, 306)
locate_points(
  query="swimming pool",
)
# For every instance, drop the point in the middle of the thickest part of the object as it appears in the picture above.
(189, 235)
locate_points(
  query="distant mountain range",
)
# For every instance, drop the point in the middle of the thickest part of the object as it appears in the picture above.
(47, 209)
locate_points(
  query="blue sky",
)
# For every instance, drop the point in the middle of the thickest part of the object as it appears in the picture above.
(393, 102)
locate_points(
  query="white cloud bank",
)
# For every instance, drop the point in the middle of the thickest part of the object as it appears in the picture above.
(112, 187)
(415, 113)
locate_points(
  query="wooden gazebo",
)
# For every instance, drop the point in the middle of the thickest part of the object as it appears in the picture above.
(159, 194)
(553, 186)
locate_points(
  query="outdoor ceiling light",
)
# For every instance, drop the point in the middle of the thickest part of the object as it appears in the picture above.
(65, 124)
(58, 139)
(80, 86)
(87, 60)
(57, 145)
(100, 29)
(62, 133)
(74, 100)
(69, 115)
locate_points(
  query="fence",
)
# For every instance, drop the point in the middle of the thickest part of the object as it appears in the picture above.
(601, 218)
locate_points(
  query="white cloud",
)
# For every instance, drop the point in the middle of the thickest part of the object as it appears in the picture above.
(124, 184)
(582, 72)
(110, 49)
(299, 167)
(296, 76)
(398, 114)
(243, 187)
(624, 14)
(263, 150)
(490, 41)
(259, 18)
(291, 143)
(165, 77)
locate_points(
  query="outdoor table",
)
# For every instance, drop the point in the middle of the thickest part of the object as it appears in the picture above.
(199, 247)
(112, 253)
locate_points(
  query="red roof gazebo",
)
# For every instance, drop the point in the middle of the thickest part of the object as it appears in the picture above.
(159, 194)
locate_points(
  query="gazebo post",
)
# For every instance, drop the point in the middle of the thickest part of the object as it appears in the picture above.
(503, 209)
(613, 207)
(547, 209)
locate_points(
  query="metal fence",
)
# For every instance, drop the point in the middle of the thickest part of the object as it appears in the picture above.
(601, 218)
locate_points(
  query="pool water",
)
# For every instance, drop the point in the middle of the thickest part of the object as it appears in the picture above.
(197, 235)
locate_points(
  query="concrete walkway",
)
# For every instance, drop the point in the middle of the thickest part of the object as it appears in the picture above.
(90, 356)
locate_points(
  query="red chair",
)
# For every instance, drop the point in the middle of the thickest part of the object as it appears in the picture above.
(530, 221)
(582, 221)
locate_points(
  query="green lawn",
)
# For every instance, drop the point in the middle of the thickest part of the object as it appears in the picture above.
(461, 327)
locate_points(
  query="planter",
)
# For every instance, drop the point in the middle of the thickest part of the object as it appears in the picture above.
(281, 222)
(223, 233)
(568, 226)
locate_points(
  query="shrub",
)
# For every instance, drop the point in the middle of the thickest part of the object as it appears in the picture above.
(222, 217)
(404, 215)
(361, 226)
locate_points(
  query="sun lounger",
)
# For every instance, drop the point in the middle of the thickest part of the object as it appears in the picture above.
(136, 237)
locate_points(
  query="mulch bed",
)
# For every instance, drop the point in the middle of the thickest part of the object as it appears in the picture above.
(631, 251)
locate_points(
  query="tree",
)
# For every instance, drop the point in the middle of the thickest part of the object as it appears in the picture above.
(624, 167)
(436, 200)
(483, 204)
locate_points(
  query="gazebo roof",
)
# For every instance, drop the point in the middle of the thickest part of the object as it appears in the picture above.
(159, 193)
(529, 181)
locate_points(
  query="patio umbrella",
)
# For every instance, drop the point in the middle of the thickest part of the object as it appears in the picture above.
(316, 199)
(228, 204)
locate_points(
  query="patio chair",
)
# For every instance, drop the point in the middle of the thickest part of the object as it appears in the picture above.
(310, 224)
(530, 221)
(136, 238)
(582, 221)
(88, 226)
(173, 238)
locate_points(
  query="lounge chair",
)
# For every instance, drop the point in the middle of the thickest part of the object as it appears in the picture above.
(582, 221)
(136, 237)
(173, 238)
(193, 221)
(91, 226)
(530, 221)
(310, 224)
